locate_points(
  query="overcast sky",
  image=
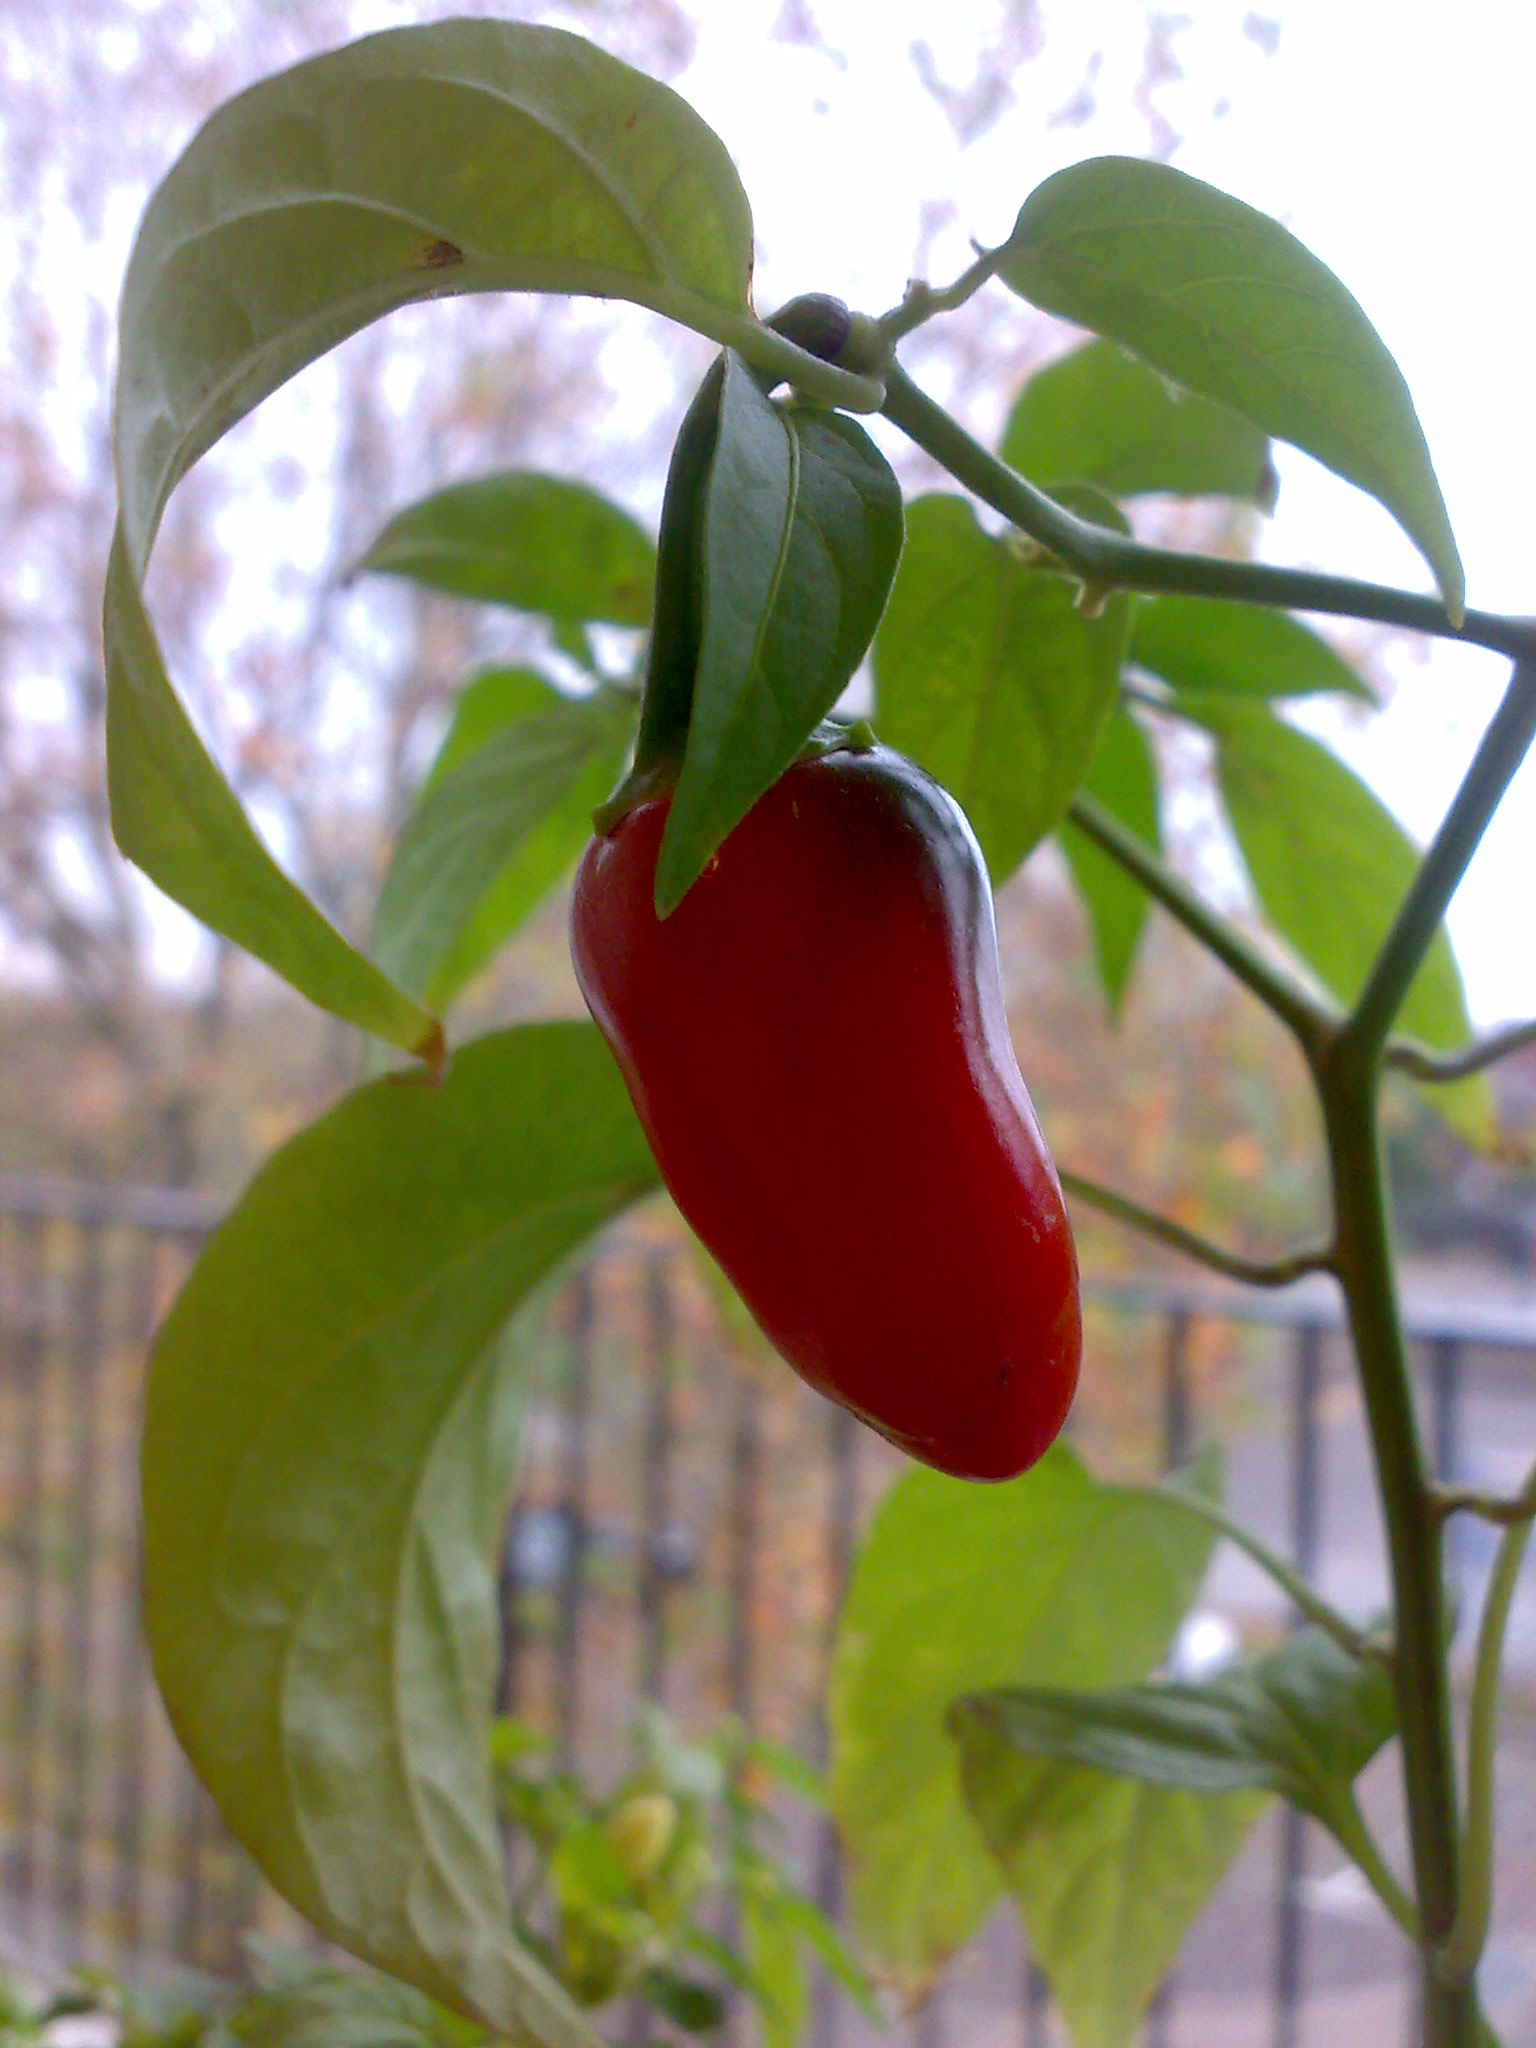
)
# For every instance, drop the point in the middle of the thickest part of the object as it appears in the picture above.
(1395, 143)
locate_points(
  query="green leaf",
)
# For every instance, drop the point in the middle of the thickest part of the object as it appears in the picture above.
(802, 529)
(1100, 415)
(1122, 778)
(1051, 1577)
(774, 1958)
(537, 543)
(1108, 1874)
(1302, 1722)
(329, 1435)
(176, 817)
(1330, 866)
(988, 677)
(1226, 302)
(694, 2006)
(303, 2003)
(496, 828)
(459, 156)
(1198, 643)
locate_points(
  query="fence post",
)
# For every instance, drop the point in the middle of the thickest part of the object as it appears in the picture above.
(655, 1478)
(1177, 1432)
(1305, 1459)
(573, 1502)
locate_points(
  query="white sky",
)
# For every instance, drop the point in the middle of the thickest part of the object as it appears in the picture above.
(1394, 142)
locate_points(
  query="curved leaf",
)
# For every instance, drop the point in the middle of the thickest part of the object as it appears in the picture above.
(1230, 305)
(1100, 415)
(1330, 866)
(451, 157)
(496, 826)
(1122, 778)
(988, 676)
(802, 528)
(174, 814)
(1109, 1874)
(535, 543)
(1051, 1577)
(327, 1449)
(1115, 1813)
(1302, 1722)
(1198, 643)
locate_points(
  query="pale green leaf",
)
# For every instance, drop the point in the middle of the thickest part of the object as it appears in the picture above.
(1122, 778)
(1330, 866)
(988, 676)
(1109, 1874)
(496, 828)
(1227, 303)
(1199, 643)
(1051, 1577)
(534, 543)
(457, 156)
(328, 1440)
(1100, 415)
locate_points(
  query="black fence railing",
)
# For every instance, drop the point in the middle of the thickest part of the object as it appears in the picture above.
(685, 1527)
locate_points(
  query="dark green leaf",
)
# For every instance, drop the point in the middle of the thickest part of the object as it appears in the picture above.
(1123, 780)
(1108, 1874)
(694, 2006)
(1330, 865)
(802, 530)
(496, 828)
(456, 156)
(1226, 302)
(328, 1442)
(1302, 1722)
(988, 676)
(1100, 415)
(537, 543)
(1051, 1577)
(1198, 643)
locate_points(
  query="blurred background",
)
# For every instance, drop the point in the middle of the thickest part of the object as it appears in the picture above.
(688, 1509)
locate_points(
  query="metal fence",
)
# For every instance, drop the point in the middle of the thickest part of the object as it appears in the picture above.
(685, 1527)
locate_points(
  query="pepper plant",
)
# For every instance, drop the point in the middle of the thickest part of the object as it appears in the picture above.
(331, 1425)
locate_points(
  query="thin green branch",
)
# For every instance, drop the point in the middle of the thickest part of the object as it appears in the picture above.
(1357, 1841)
(1503, 748)
(1312, 1606)
(1458, 1958)
(1289, 998)
(922, 301)
(1409, 1057)
(1110, 561)
(1503, 1510)
(1252, 1272)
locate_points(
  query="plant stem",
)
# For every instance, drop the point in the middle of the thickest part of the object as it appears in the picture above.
(1459, 1957)
(1105, 560)
(1316, 1609)
(1291, 1001)
(922, 301)
(1354, 1836)
(1252, 1272)
(1413, 1530)
(1503, 748)
(1409, 1057)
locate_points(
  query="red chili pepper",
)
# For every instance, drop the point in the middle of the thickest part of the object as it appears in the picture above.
(816, 1046)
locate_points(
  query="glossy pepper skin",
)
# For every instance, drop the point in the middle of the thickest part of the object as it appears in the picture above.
(816, 1046)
